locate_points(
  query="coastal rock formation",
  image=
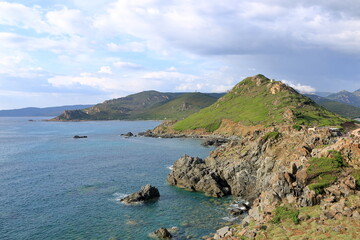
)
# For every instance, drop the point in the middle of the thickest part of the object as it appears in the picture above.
(195, 175)
(129, 134)
(275, 159)
(146, 193)
(161, 233)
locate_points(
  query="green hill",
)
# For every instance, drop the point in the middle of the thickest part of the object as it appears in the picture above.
(178, 108)
(143, 106)
(258, 100)
(342, 109)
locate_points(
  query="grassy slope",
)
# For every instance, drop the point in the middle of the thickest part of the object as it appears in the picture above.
(144, 105)
(342, 109)
(178, 108)
(251, 104)
(121, 108)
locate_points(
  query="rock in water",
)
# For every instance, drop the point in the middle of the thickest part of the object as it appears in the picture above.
(77, 136)
(146, 193)
(161, 233)
(129, 134)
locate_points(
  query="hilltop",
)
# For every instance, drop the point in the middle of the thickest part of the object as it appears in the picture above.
(259, 101)
(143, 106)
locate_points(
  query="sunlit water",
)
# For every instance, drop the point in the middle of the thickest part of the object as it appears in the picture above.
(55, 187)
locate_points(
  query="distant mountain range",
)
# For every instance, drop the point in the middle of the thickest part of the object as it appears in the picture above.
(37, 112)
(352, 98)
(340, 108)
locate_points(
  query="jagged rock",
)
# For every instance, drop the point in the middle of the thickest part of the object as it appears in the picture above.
(356, 215)
(223, 232)
(193, 174)
(350, 182)
(146, 193)
(161, 233)
(214, 142)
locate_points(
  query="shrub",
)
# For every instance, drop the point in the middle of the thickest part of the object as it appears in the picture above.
(271, 135)
(286, 212)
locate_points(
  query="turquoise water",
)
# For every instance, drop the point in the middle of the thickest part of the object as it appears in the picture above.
(55, 187)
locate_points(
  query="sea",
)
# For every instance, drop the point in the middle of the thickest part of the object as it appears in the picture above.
(53, 186)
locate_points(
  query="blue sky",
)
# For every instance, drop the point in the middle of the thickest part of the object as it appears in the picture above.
(78, 52)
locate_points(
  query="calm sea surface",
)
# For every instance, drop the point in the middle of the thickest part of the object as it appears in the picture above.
(55, 187)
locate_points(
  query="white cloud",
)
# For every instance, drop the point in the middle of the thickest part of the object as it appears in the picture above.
(261, 26)
(67, 21)
(105, 69)
(15, 14)
(127, 47)
(127, 65)
(301, 88)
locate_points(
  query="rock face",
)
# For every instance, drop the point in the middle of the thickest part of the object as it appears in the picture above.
(259, 162)
(195, 175)
(146, 193)
(161, 233)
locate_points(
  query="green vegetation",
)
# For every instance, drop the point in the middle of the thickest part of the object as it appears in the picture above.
(260, 101)
(324, 165)
(148, 105)
(356, 175)
(322, 171)
(271, 135)
(177, 108)
(297, 127)
(321, 182)
(286, 212)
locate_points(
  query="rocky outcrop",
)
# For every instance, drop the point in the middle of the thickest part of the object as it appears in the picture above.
(146, 193)
(248, 166)
(129, 134)
(267, 170)
(161, 233)
(195, 175)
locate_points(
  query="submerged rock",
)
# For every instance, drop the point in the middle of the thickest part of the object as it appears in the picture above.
(161, 233)
(146, 193)
(215, 142)
(129, 134)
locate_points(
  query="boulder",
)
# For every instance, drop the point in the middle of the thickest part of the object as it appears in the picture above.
(146, 193)
(129, 134)
(161, 233)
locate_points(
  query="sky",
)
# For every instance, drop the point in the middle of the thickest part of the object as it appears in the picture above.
(55, 53)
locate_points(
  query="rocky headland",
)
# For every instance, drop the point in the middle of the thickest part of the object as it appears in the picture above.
(297, 164)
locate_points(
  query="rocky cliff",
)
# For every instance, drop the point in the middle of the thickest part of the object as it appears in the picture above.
(275, 167)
